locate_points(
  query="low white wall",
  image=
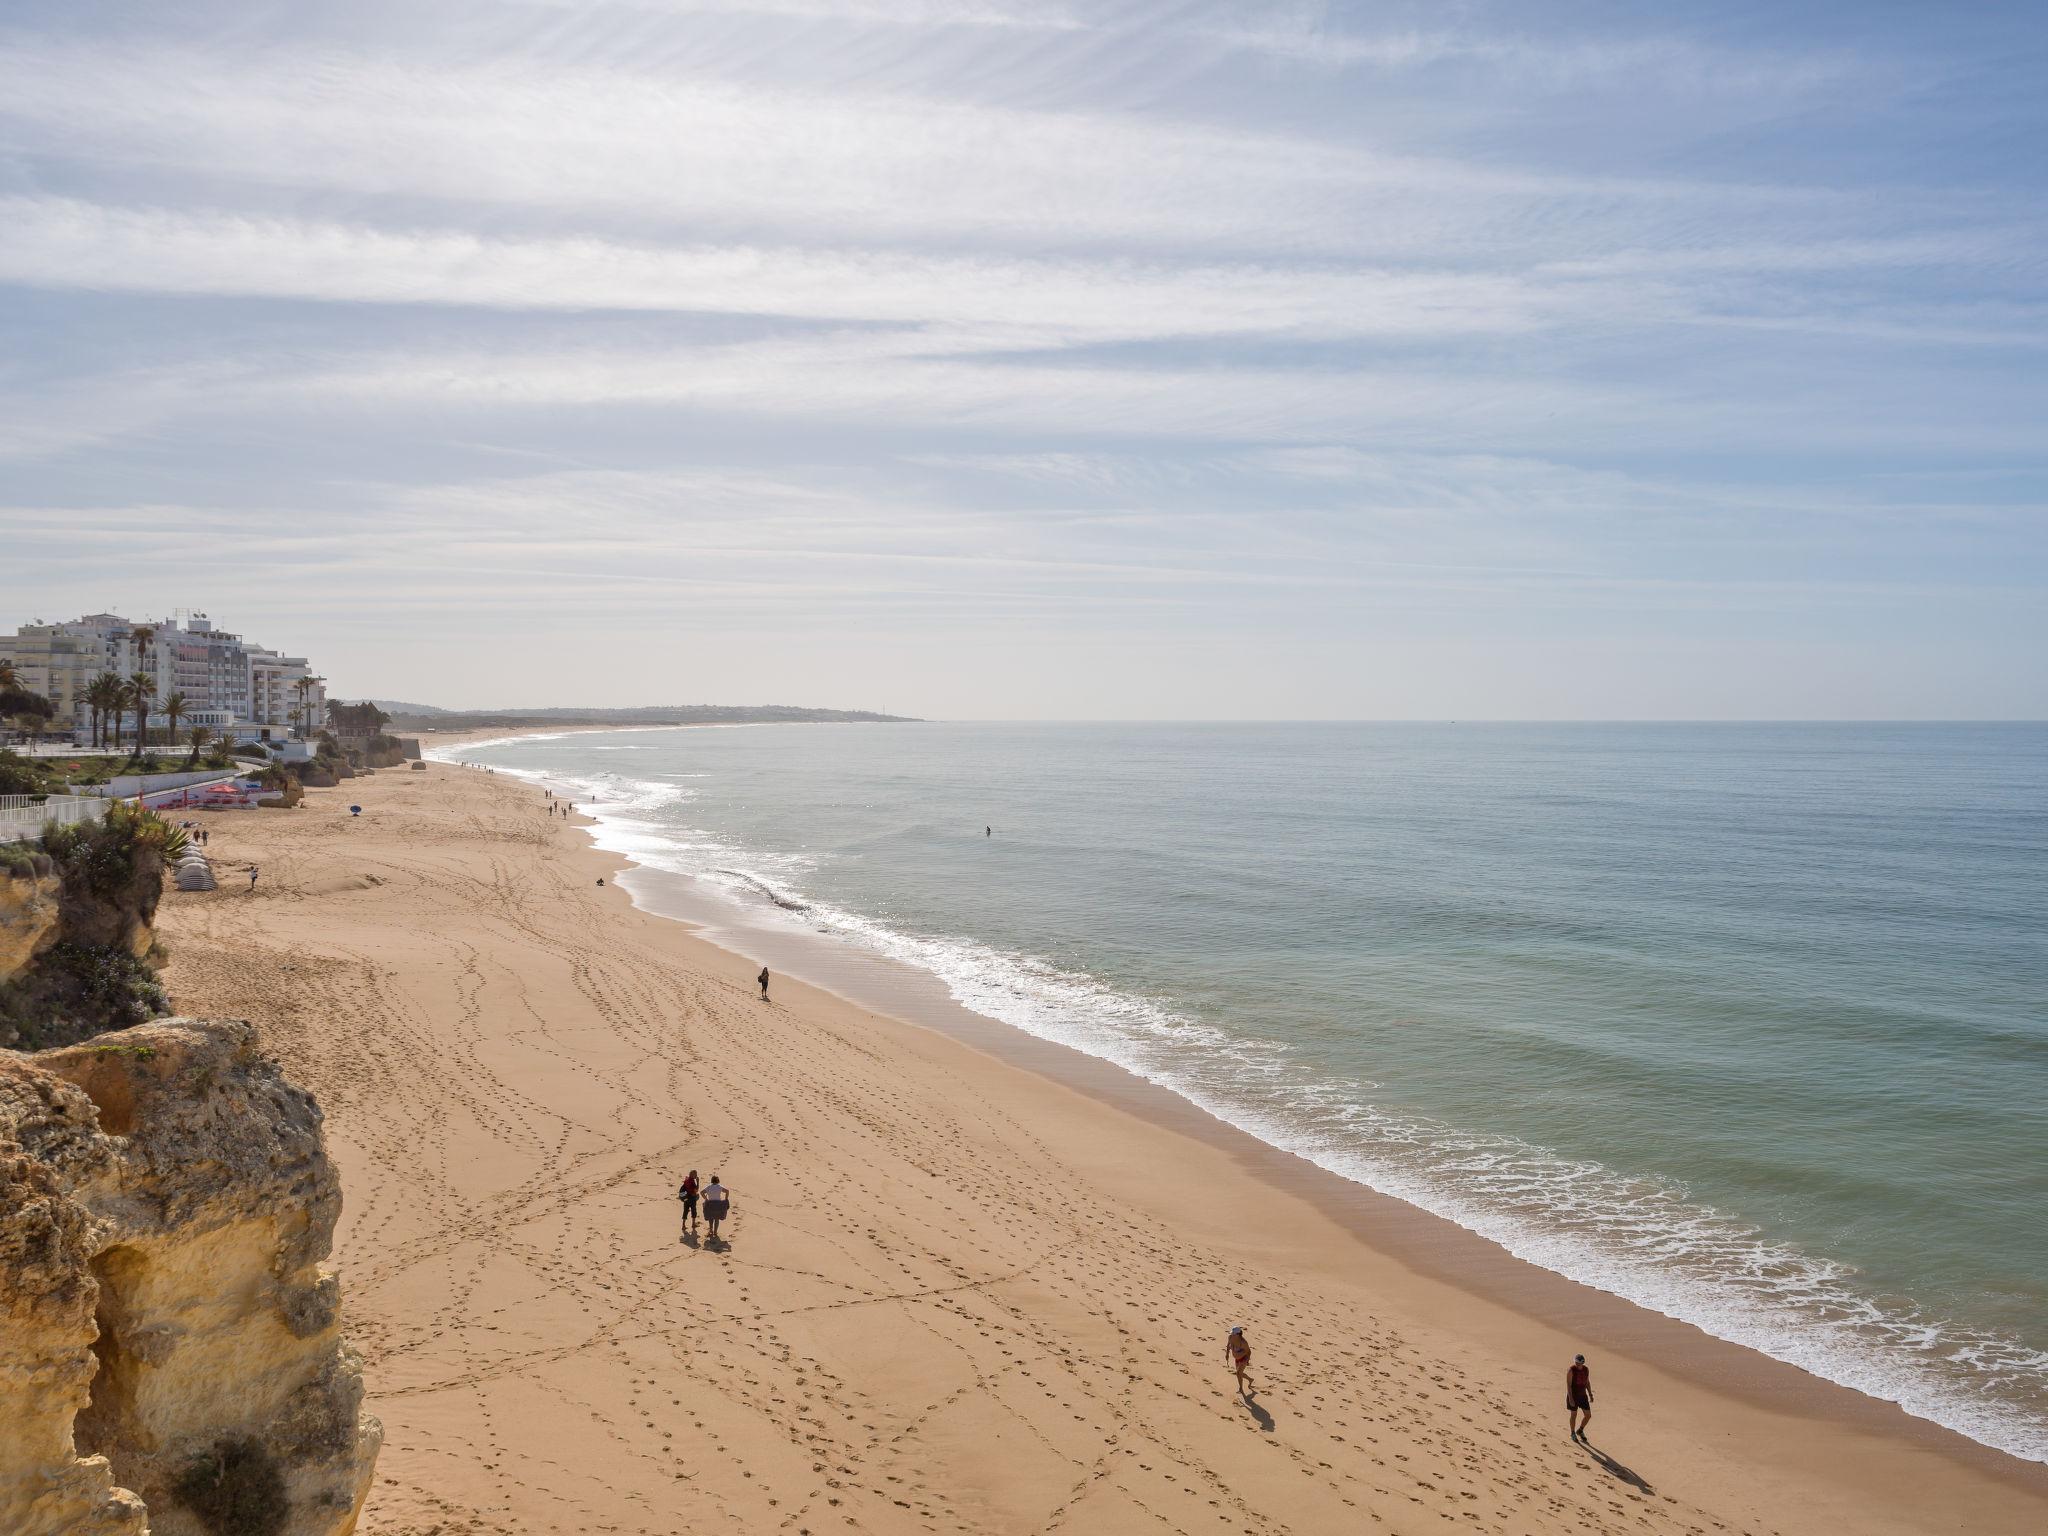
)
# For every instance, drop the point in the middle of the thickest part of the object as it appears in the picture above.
(131, 784)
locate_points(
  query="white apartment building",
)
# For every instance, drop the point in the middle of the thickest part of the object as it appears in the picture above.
(55, 663)
(276, 695)
(230, 685)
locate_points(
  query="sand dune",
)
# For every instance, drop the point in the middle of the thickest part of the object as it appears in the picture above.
(956, 1297)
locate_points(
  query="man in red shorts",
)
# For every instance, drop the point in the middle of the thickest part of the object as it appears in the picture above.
(1578, 1397)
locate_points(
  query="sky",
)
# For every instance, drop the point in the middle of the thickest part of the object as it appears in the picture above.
(1044, 358)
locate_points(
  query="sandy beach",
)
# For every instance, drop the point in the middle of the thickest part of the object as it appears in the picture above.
(967, 1286)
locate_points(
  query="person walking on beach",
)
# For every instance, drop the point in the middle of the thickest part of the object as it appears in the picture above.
(717, 1205)
(1578, 1397)
(763, 979)
(1237, 1349)
(688, 1195)
(252, 877)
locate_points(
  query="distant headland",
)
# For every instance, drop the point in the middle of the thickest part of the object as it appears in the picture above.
(429, 717)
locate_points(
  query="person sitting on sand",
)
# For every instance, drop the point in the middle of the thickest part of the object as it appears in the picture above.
(717, 1203)
(1578, 1396)
(1237, 1349)
(688, 1195)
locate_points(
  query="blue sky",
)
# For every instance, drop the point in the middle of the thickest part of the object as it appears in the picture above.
(1073, 359)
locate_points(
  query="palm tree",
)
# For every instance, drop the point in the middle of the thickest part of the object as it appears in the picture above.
(9, 678)
(200, 737)
(140, 690)
(142, 635)
(175, 709)
(304, 713)
(107, 694)
(90, 698)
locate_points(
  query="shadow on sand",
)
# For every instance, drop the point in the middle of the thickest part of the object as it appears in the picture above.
(1263, 1418)
(689, 1237)
(1616, 1469)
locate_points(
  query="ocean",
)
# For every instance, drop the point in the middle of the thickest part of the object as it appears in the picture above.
(1745, 1023)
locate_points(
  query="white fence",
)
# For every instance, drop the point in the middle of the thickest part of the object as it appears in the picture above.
(127, 786)
(23, 817)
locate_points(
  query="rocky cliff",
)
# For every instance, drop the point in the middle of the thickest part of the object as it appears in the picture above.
(171, 1358)
(77, 928)
(29, 901)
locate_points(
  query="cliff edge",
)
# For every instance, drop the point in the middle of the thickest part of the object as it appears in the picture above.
(171, 1358)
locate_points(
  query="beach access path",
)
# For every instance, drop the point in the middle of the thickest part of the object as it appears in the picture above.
(957, 1295)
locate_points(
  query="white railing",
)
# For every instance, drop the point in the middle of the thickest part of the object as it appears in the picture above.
(23, 817)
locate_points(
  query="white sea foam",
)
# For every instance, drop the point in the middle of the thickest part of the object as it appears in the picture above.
(1641, 1240)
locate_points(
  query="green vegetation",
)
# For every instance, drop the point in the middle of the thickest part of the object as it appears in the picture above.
(75, 991)
(176, 708)
(139, 1052)
(103, 696)
(101, 855)
(21, 775)
(91, 980)
(235, 1489)
(25, 711)
(141, 688)
(364, 719)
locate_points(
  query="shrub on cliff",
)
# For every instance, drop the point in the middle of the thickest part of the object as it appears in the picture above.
(75, 991)
(279, 777)
(21, 775)
(115, 856)
(94, 977)
(235, 1489)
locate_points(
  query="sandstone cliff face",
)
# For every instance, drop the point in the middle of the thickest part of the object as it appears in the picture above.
(171, 1358)
(28, 918)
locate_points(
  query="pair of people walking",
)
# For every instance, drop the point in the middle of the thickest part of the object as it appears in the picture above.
(717, 1200)
(1578, 1382)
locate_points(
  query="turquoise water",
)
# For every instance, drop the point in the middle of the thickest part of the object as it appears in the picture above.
(1748, 1024)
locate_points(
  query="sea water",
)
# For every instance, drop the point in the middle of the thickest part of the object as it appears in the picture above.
(1745, 1023)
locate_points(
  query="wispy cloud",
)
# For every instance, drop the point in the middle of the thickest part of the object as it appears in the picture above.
(64, 243)
(1139, 323)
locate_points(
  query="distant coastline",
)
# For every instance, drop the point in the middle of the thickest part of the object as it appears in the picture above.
(428, 717)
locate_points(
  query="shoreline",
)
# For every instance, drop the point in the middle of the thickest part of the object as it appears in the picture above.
(1422, 1240)
(1697, 1408)
(1419, 1240)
